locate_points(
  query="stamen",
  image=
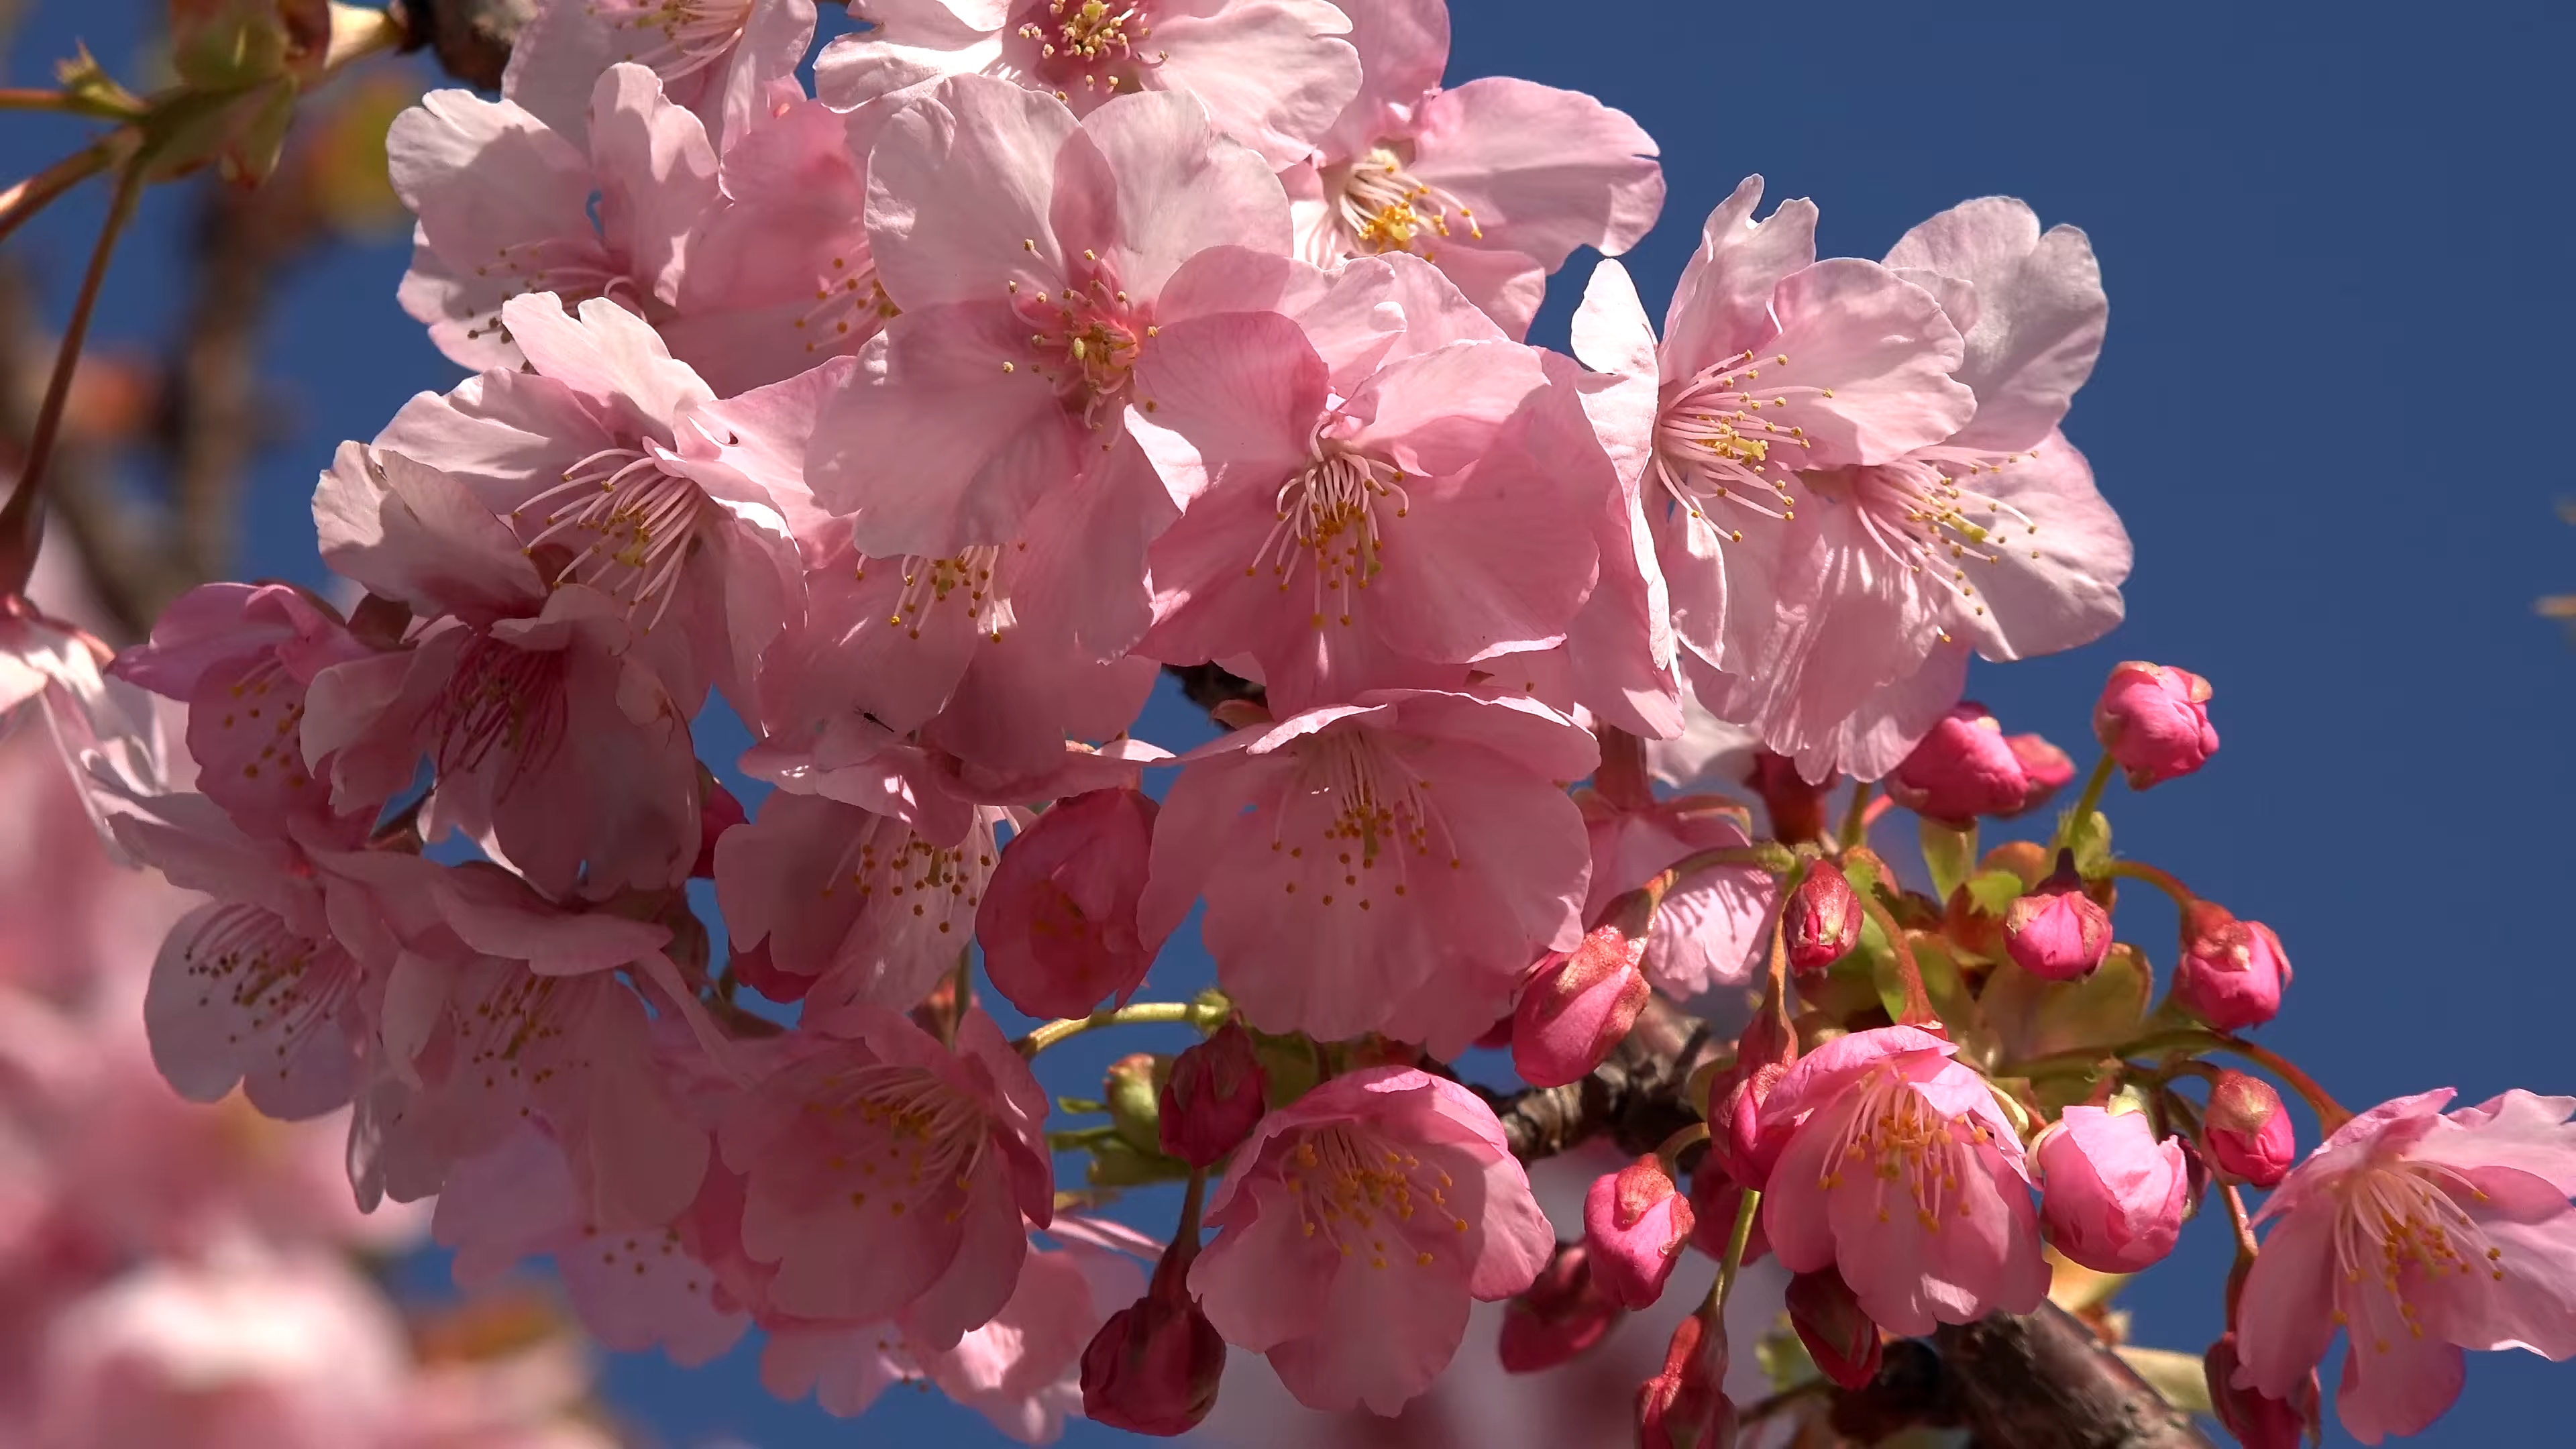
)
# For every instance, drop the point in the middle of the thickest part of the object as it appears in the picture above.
(1385, 208)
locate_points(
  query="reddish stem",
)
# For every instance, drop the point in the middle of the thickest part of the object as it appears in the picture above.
(18, 519)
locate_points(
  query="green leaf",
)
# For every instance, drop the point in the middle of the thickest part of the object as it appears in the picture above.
(1116, 1164)
(2180, 1378)
(2090, 839)
(1994, 891)
(1956, 1004)
(1949, 854)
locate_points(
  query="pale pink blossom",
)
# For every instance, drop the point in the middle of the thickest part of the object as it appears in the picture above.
(887, 1175)
(1714, 924)
(555, 748)
(2112, 1194)
(718, 58)
(2418, 1233)
(1495, 182)
(1030, 252)
(1363, 516)
(1392, 864)
(1355, 1227)
(1896, 1166)
(505, 207)
(1272, 73)
(96, 719)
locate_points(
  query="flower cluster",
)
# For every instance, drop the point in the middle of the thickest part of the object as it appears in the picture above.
(922, 421)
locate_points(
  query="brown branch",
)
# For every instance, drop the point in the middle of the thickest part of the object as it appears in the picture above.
(2043, 1381)
(470, 38)
(1635, 1095)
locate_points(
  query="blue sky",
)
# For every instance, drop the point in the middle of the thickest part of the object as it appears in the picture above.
(2331, 236)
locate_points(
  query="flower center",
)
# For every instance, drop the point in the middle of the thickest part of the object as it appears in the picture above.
(1923, 517)
(1086, 340)
(1385, 208)
(1370, 805)
(1358, 1192)
(904, 1136)
(893, 869)
(964, 582)
(1903, 1141)
(2403, 1223)
(574, 268)
(499, 698)
(850, 306)
(279, 980)
(1330, 512)
(1090, 41)
(1714, 451)
(634, 520)
(677, 37)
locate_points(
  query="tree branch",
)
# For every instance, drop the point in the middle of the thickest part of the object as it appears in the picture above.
(470, 38)
(2043, 1381)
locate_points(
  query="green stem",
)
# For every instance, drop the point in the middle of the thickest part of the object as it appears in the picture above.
(2085, 805)
(1142, 1013)
(1735, 1243)
(2081, 1058)
(2162, 880)
(1909, 974)
(1856, 818)
(1682, 1140)
(18, 518)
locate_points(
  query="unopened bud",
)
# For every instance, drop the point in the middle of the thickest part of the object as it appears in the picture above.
(1578, 1005)
(1840, 1337)
(2257, 1422)
(1560, 1315)
(1132, 1089)
(1961, 770)
(2045, 769)
(1822, 920)
(2154, 720)
(1214, 1097)
(2057, 932)
(2111, 1193)
(1154, 1367)
(1685, 1405)
(2232, 972)
(1634, 1225)
(2248, 1132)
(1796, 808)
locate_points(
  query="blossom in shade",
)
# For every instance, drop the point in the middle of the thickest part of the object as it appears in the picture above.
(1495, 182)
(1635, 1224)
(1368, 509)
(1355, 1227)
(2418, 1233)
(552, 742)
(1215, 1097)
(1272, 73)
(717, 58)
(1563, 1312)
(505, 208)
(2248, 1131)
(887, 1176)
(2232, 972)
(1713, 925)
(1030, 253)
(1058, 918)
(1896, 1167)
(1392, 864)
(1962, 768)
(2258, 1422)
(1838, 1336)
(1155, 1366)
(2112, 1195)
(2154, 719)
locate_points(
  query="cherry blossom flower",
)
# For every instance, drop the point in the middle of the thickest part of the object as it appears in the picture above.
(1895, 1165)
(505, 207)
(1713, 925)
(1272, 73)
(1029, 252)
(1058, 919)
(718, 58)
(554, 745)
(2113, 1194)
(887, 1176)
(1495, 182)
(1369, 510)
(1354, 1228)
(1391, 864)
(2418, 1233)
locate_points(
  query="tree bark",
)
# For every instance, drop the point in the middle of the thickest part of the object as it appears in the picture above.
(2043, 1381)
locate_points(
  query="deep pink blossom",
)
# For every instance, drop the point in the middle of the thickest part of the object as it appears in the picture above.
(1402, 859)
(2057, 932)
(2047, 768)
(1962, 768)
(2154, 719)
(1058, 918)
(2419, 1233)
(1578, 1005)
(2232, 972)
(1155, 1366)
(1030, 253)
(1272, 73)
(1356, 1226)
(1837, 1334)
(1635, 1225)
(2112, 1196)
(553, 743)
(1684, 1406)
(1495, 182)
(2248, 1131)
(718, 58)
(1561, 1314)
(1897, 1167)
(1369, 508)
(887, 1176)
(1216, 1095)
(1822, 922)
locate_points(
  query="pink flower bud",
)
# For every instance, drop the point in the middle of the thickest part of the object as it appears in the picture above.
(2154, 719)
(1839, 1336)
(1560, 1315)
(2258, 1422)
(1961, 770)
(1153, 1367)
(1058, 919)
(1737, 1141)
(1634, 1226)
(1822, 919)
(1715, 1199)
(2232, 972)
(2057, 932)
(2247, 1131)
(1578, 1005)
(1214, 1098)
(1685, 1406)
(2111, 1195)
(2045, 767)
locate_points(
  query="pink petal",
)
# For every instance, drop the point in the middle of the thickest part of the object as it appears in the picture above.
(2286, 1314)
(2040, 313)
(1544, 170)
(1722, 305)
(1274, 73)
